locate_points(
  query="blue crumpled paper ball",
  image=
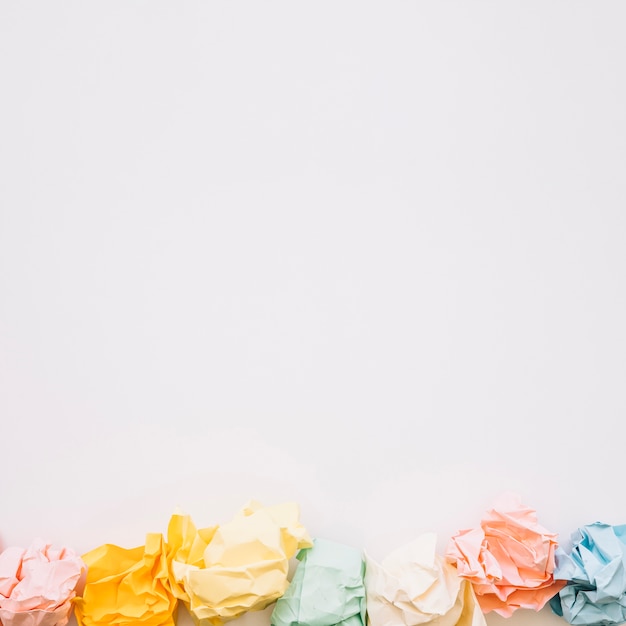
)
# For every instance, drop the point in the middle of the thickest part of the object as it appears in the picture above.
(595, 570)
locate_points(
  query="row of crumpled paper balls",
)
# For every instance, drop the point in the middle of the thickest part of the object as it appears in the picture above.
(219, 573)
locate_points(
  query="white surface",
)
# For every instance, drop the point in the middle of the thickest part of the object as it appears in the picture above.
(367, 256)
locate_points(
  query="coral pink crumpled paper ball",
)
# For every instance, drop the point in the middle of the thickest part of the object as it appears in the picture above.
(509, 558)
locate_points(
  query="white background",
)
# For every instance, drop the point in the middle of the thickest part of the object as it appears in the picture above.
(366, 256)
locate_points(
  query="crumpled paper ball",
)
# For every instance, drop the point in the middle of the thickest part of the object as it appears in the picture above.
(127, 586)
(224, 571)
(37, 584)
(326, 590)
(509, 559)
(595, 571)
(414, 585)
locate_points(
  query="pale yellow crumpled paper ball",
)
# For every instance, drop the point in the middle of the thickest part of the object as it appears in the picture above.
(224, 571)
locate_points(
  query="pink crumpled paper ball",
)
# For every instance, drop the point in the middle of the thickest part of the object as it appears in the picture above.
(37, 585)
(509, 558)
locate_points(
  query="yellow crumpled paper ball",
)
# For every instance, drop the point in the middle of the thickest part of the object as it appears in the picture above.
(127, 586)
(224, 571)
